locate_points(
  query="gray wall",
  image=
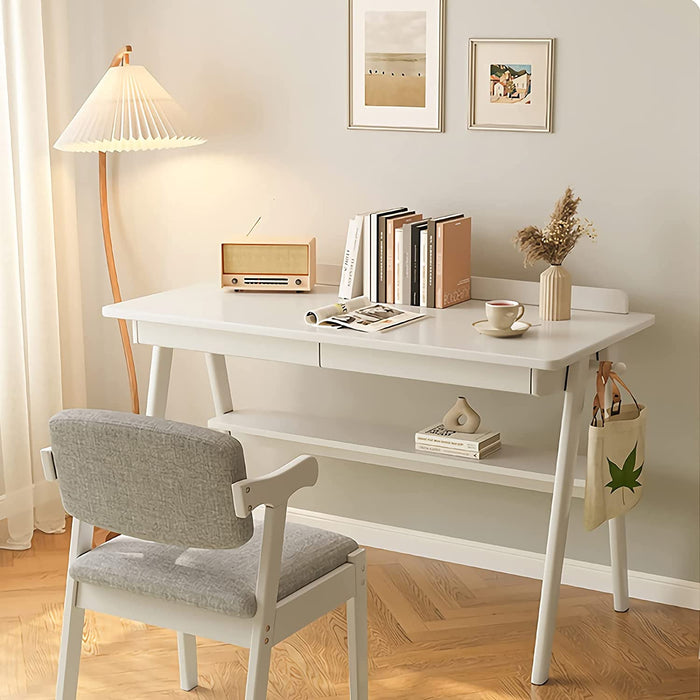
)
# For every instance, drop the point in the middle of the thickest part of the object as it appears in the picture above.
(267, 83)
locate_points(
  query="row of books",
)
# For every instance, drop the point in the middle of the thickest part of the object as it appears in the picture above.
(441, 440)
(399, 257)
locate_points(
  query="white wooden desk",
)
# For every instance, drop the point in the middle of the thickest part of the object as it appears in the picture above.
(443, 348)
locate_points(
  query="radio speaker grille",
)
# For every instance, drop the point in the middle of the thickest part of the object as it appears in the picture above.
(280, 259)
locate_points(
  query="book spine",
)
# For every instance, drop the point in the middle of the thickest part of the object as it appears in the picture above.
(447, 451)
(353, 264)
(406, 267)
(398, 266)
(415, 266)
(390, 264)
(424, 268)
(430, 301)
(366, 287)
(439, 264)
(381, 262)
(357, 271)
(373, 258)
(349, 262)
(423, 439)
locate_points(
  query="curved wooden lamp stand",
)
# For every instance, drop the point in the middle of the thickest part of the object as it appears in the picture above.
(120, 58)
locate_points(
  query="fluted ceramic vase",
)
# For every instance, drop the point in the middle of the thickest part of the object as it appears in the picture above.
(555, 294)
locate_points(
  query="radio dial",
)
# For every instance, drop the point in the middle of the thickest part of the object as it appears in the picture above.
(234, 280)
(297, 282)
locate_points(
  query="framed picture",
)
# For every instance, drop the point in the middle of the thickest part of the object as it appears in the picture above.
(510, 84)
(396, 56)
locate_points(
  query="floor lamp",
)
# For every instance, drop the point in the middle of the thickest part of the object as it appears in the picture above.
(127, 111)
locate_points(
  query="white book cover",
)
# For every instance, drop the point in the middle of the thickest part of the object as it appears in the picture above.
(438, 434)
(465, 454)
(373, 241)
(365, 254)
(358, 277)
(351, 275)
(345, 275)
(424, 268)
(398, 265)
(402, 244)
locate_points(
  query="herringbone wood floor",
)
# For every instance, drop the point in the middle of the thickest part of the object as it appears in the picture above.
(436, 631)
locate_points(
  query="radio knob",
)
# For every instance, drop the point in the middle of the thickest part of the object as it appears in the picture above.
(234, 280)
(297, 282)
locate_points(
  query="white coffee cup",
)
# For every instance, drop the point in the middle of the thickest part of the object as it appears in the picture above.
(503, 313)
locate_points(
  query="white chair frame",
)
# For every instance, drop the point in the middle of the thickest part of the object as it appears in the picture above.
(274, 620)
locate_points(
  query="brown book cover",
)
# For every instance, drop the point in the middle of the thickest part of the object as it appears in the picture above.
(453, 262)
(391, 226)
(432, 258)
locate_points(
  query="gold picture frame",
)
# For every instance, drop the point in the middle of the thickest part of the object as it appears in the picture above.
(403, 117)
(492, 88)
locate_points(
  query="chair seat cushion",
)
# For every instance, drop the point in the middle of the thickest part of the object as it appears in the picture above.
(222, 580)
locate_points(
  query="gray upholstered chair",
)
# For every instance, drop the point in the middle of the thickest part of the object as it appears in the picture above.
(190, 557)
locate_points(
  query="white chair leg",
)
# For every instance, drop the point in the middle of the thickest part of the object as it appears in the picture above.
(258, 665)
(73, 617)
(187, 657)
(357, 628)
(71, 643)
(618, 559)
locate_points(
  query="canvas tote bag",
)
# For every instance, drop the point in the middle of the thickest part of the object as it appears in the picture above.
(616, 449)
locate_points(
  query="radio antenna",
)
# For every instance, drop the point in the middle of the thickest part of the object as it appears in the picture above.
(257, 221)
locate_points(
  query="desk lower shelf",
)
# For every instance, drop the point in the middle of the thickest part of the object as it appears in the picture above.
(356, 441)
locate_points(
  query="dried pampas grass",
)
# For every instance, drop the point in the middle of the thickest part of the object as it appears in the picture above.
(557, 239)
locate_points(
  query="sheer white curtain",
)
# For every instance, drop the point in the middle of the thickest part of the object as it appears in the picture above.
(30, 367)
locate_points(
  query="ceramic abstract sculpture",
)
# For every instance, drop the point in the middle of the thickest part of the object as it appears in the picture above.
(462, 417)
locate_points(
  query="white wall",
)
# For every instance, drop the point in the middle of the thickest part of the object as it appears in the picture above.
(267, 83)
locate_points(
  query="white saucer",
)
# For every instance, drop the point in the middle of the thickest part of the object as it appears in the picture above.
(518, 328)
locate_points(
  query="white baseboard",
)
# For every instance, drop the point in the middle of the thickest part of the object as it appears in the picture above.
(596, 577)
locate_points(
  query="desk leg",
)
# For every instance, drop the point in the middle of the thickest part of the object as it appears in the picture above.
(618, 559)
(559, 520)
(158, 385)
(218, 378)
(159, 381)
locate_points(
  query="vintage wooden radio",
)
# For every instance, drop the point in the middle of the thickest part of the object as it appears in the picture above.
(272, 265)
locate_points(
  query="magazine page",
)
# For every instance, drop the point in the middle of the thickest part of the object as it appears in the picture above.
(361, 315)
(316, 317)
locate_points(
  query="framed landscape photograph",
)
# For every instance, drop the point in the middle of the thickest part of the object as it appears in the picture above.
(510, 84)
(396, 56)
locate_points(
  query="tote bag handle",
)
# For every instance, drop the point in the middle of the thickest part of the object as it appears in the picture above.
(603, 376)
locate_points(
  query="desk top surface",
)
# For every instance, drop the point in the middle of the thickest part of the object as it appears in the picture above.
(446, 333)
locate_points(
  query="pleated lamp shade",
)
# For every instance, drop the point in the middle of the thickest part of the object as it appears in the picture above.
(128, 111)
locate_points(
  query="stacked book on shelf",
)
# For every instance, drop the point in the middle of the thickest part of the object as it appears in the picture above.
(398, 256)
(439, 439)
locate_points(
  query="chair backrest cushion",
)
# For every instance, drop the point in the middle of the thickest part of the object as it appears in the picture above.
(150, 478)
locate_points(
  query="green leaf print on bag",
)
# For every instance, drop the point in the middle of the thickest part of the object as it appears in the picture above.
(627, 476)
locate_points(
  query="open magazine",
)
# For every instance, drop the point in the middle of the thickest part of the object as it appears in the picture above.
(360, 314)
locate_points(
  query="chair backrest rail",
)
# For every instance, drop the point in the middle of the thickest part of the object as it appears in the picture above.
(149, 478)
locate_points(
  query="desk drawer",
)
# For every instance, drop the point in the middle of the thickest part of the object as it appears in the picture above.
(430, 369)
(260, 347)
